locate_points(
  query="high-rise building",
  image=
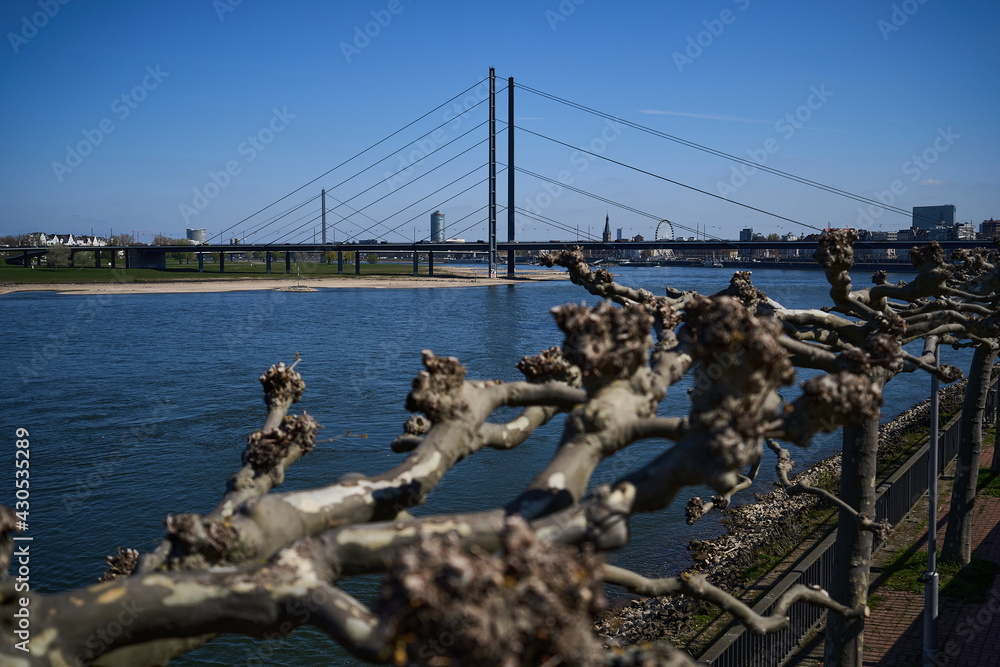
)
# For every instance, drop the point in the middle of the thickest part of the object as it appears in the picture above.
(196, 235)
(620, 230)
(746, 234)
(437, 227)
(933, 217)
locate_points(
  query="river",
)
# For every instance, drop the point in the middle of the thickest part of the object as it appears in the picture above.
(139, 405)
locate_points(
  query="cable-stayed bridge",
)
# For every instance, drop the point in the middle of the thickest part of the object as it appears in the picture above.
(372, 214)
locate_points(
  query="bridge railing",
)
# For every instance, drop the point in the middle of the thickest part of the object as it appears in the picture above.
(894, 500)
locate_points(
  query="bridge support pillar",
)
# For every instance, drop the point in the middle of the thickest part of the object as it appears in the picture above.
(430, 263)
(114, 256)
(510, 175)
(288, 261)
(267, 261)
(357, 263)
(222, 262)
(97, 259)
(340, 261)
(201, 262)
(416, 266)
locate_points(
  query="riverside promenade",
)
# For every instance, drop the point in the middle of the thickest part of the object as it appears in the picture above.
(968, 633)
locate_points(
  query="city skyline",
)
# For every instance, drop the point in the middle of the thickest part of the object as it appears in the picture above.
(156, 119)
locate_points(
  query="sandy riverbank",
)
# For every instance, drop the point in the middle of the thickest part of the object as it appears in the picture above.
(460, 277)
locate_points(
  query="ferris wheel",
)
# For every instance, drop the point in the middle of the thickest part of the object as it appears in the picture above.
(656, 234)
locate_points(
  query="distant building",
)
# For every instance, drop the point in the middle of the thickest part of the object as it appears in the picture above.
(40, 239)
(957, 232)
(619, 238)
(195, 235)
(911, 234)
(883, 253)
(964, 231)
(932, 217)
(607, 229)
(437, 227)
(989, 228)
(746, 234)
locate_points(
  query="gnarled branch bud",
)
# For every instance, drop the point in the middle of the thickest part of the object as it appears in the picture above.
(265, 449)
(829, 402)
(416, 425)
(213, 538)
(533, 603)
(605, 342)
(437, 391)
(282, 386)
(549, 365)
(120, 564)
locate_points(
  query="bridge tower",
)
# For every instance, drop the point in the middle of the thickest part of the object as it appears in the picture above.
(510, 176)
(493, 174)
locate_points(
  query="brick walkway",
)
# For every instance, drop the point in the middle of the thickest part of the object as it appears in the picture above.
(968, 633)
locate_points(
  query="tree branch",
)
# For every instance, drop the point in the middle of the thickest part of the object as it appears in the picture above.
(696, 586)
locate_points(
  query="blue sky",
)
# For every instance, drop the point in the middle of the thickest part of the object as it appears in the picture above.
(155, 117)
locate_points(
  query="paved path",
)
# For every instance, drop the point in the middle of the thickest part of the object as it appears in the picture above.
(968, 633)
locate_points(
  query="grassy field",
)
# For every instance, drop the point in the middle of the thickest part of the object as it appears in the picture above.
(178, 272)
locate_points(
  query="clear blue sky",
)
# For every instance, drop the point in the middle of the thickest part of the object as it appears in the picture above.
(282, 92)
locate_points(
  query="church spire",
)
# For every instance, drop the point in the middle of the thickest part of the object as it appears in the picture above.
(607, 228)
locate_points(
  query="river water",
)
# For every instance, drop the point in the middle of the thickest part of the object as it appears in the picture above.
(138, 406)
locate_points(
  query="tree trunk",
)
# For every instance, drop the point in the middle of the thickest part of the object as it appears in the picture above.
(957, 546)
(852, 555)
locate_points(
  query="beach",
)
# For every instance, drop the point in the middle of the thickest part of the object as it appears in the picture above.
(457, 277)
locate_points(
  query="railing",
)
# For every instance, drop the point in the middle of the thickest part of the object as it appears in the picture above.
(894, 500)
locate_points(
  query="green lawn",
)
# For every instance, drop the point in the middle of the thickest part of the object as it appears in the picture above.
(969, 583)
(176, 272)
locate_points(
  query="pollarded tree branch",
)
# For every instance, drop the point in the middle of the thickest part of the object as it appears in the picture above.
(269, 452)
(697, 508)
(258, 527)
(880, 529)
(599, 283)
(517, 430)
(696, 586)
(669, 428)
(810, 355)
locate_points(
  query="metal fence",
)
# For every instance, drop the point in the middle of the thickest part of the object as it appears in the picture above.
(894, 500)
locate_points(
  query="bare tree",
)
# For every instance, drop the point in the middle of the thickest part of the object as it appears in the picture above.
(977, 276)
(865, 331)
(519, 583)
